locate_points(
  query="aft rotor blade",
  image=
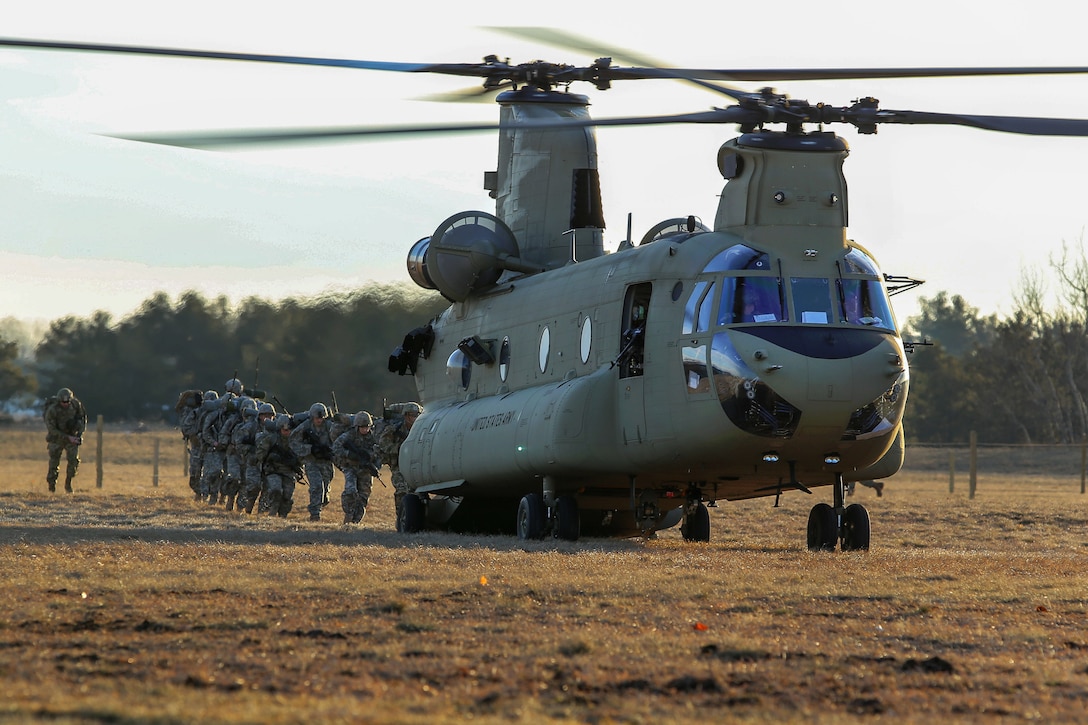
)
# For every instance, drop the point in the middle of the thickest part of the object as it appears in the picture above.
(257, 137)
(447, 68)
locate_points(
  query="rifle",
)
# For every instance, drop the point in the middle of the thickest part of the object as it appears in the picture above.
(366, 459)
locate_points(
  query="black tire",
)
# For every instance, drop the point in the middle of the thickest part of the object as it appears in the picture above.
(414, 512)
(855, 529)
(823, 528)
(696, 526)
(530, 522)
(568, 525)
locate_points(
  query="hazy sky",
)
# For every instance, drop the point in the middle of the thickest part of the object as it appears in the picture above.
(91, 222)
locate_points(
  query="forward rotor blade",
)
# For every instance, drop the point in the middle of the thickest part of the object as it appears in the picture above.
(1008, 124)
(485, 70)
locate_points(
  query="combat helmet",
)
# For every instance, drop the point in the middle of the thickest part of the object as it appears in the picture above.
(282, 422)
(234, 385)
(412, 409)
(266, 409)
(210, 395)
(249, 407)
(318, 410)
(64, 394)
(362, 418)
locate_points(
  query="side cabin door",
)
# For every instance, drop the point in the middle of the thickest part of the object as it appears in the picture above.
(632, 364)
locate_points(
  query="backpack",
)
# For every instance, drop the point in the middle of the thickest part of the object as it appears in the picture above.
(188, 399)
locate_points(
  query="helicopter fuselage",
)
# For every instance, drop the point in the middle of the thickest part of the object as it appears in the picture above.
(757, 358)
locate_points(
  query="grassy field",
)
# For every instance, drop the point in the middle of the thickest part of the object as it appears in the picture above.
(132, 603)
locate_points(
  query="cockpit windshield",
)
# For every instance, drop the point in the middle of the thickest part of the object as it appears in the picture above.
(750, 299)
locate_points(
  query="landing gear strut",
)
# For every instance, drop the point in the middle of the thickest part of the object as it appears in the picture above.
(539, 515)
(847, 526)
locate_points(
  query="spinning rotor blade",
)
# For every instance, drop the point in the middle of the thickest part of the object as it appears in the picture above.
(864, 116)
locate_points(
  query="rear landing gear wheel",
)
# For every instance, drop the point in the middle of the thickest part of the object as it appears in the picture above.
(823, 528)
(531, 517)
(568, 526)
(414, 514)
(696, 526)
(855, 528)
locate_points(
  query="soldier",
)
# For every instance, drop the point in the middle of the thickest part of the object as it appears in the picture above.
(208, 404)
(236, 422)
(188, 410)
(392, 438)
(236, 407)
(244, 439)
(354, 452)
(280, 467)
(312, 443)
(65, 421)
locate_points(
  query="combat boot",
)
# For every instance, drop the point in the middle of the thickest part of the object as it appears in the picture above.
(358, 518)
(68, 484)
(230, 502)
(315, 517)
(52, 486)
(348, 519)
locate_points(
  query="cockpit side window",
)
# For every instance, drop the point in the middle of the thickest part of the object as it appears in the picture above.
(864, 302)
(858, 262)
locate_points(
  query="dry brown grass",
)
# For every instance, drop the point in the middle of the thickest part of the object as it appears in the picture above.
(133, 604)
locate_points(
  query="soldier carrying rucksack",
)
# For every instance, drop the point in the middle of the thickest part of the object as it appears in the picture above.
(65, 421)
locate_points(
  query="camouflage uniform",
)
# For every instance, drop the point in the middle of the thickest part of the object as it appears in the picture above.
(188, 410)
(389, 444)
(215, 449)
(312, 443)
(355, 453)
(236, 412)
(64, 425)
(244, 439)
(279, 465)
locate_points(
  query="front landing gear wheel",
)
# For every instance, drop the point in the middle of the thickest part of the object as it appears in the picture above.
(696, 526)
(855, 528)
(823, 528)
(568, 526)
(531, 517)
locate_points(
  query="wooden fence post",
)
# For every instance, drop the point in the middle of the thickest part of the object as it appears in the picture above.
(98, 453)
(155, 475)
(974, 465)
(1083, 462)
(951, 471)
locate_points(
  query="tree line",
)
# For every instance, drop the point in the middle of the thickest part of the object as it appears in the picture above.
(300, 350)
(1018, 379)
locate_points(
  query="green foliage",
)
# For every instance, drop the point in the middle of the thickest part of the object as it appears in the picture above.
(307, 349)
(13, 379)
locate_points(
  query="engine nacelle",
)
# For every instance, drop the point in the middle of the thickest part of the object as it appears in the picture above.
(468, 252)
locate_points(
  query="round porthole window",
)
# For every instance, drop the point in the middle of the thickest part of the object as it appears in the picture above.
(459, 368)
(545, 348)
(587, 339)
(504, 359)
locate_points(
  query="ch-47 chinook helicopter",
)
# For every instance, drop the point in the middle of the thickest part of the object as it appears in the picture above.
(571, 391)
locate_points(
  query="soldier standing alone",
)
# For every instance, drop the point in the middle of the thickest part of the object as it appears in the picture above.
(392, 438)
(65, 421)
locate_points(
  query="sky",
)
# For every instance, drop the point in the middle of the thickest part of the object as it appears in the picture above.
(91, 222)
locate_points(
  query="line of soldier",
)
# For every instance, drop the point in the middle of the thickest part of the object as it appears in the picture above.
(245, 455)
